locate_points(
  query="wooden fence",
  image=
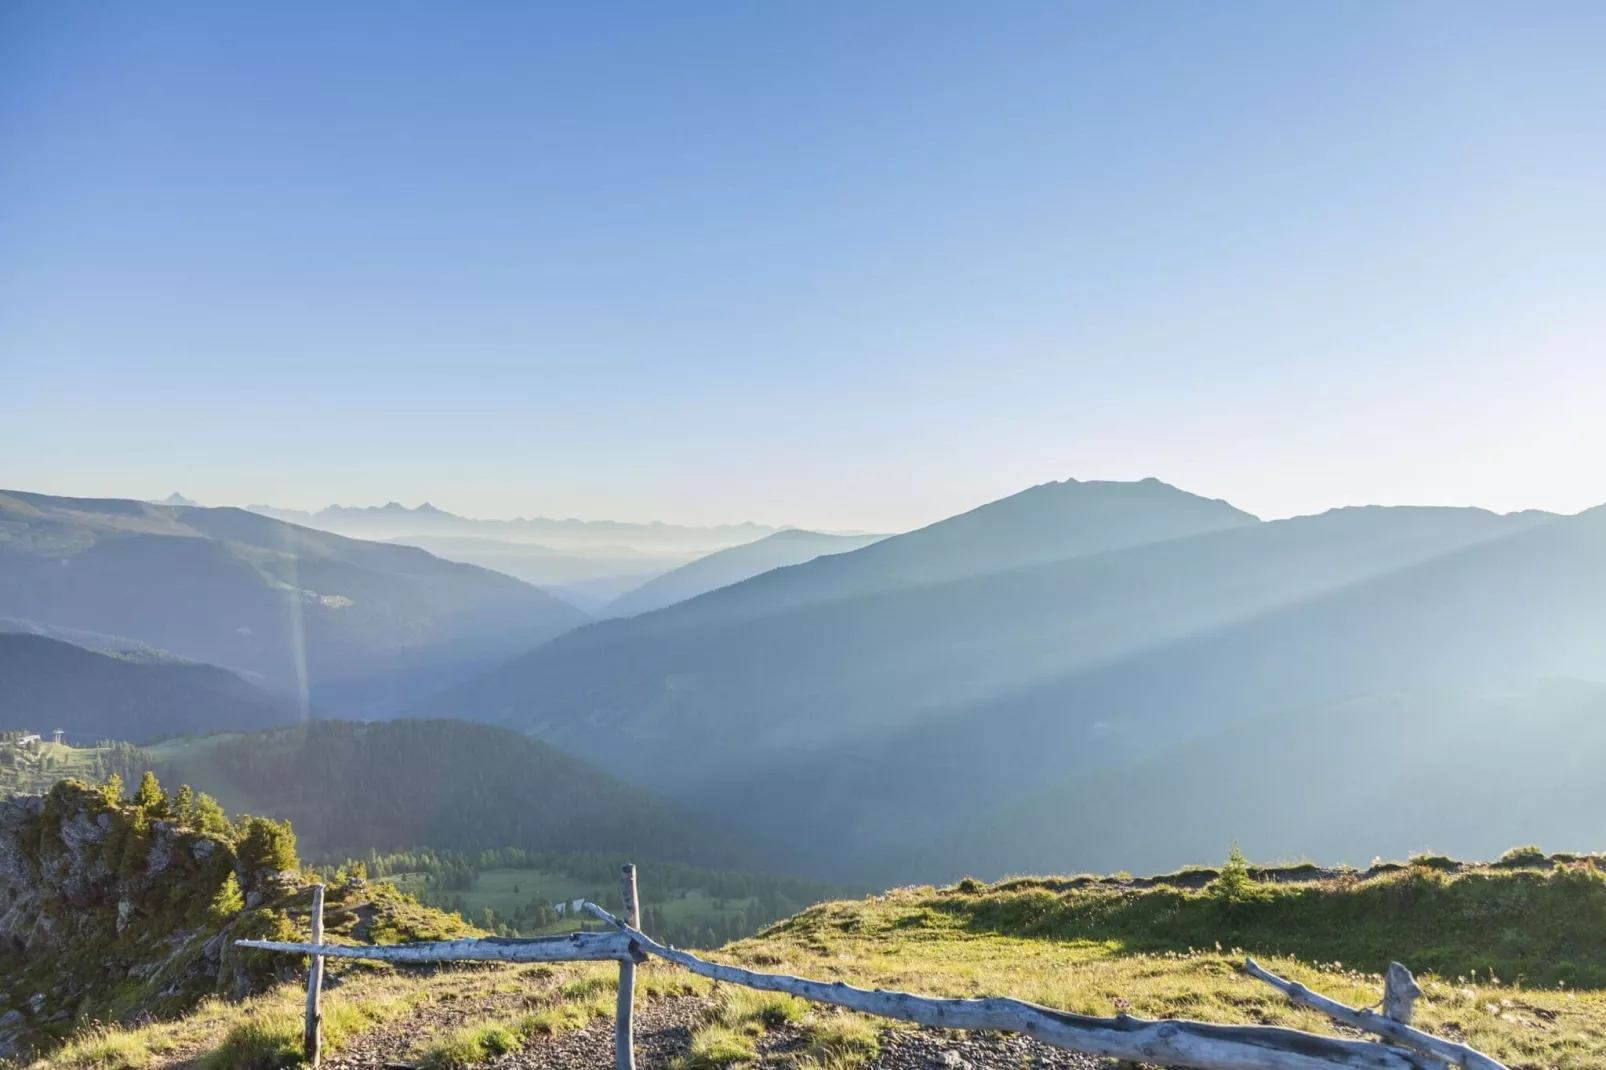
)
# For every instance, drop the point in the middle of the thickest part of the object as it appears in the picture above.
(1169, 1042)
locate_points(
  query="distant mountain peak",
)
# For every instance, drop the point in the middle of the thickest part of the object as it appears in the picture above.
(176, 498)
(389, 509)
(1052, 521)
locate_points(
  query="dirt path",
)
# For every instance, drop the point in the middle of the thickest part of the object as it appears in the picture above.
(663, 1031)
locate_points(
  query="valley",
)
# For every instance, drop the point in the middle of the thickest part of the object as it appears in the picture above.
(867, 694)
(1081, 677)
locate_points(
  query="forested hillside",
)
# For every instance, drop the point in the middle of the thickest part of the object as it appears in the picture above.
(330, 621)
(350, 789)
(47, 684)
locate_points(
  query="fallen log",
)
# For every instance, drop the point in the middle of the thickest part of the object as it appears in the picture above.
(1197, 1045)
(1371, 1022)
(573, 947)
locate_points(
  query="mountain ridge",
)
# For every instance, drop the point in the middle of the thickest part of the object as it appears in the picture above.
(1507, 611)
(393, 518)
(355, 624)
(843, 705)
(793, 546)
(740, 613)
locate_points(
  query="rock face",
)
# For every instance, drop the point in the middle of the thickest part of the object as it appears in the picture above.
(106, 912)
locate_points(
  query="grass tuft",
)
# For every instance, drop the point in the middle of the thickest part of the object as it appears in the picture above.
(715, 1046)
(562, 1017)
(844, 1041)
(586, 987)
(674, 981)
(105, 1048)
(744, 1007)
(469, 1045)
(264, 1040)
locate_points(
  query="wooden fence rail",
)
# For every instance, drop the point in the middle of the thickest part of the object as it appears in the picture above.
(1168, 1042)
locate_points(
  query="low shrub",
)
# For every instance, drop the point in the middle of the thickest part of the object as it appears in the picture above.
(1523, 857)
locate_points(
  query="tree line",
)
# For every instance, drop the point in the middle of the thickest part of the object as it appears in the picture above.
(733, 903)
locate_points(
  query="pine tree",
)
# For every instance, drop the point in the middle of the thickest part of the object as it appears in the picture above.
(267, 845)
(209, 816)
(228, 901)
(150, 798)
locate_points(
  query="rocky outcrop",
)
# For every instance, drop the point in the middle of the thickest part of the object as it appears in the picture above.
(106, 913)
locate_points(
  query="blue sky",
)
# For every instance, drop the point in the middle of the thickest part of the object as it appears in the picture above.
(837, 264)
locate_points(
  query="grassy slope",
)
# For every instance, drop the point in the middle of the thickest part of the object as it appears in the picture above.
(54, 761)
(1492, 946)
(1514, 962)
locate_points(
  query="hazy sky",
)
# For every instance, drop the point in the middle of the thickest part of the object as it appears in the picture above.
(855, 265)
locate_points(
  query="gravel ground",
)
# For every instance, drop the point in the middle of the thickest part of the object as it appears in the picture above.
(663, 1031)
(935, 1048)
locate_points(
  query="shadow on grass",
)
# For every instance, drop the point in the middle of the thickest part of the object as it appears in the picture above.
(1525, 927)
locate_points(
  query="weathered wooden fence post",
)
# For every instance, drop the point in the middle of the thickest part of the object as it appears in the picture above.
(1400, 993)
(312, 1037)
(624, 1045)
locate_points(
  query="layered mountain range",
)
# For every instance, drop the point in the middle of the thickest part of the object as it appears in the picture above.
(886, 697)
(1081, 675)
